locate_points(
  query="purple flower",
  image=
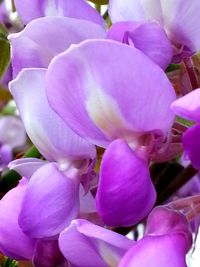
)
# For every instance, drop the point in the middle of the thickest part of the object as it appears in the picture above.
(13, 242)
(38, 51)
(86, 245)
(113, 101)
(79, 9)
(178, 18)
(149, 37)
(12, 135)
(124, 183)
(53, 188)
(166, 243)
(188, 107)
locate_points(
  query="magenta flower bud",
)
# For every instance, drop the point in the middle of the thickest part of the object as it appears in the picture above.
(163, 220)
(125, 193)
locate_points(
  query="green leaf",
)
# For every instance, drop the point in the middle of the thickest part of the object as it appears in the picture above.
(173, 67)
(9, 263)
(100, 2)
(4, 51)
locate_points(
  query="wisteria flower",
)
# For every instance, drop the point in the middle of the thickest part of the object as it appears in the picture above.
(110, 101)
(178, 18)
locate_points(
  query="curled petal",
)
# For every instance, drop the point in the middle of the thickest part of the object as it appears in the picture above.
(125, 193)
(191, 144)
(49, 133)
(54, 201)
(178, 18)
(109, 98)
(188, 106)
(63, 8)
(13, 242)
(26, 166)
(100, 247)
(156, 251)
(38, 50)
(149, 37)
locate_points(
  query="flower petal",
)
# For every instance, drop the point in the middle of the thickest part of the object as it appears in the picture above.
(109, 98)
(156, 251)
(47, 254)
(191, 144)
(13, 242)
(125, 193)
(179, 18)
(26, 166)
(49, 133)
(54, 201)
(38, 50)
(149, 37)
(12, 131)
(188, 106)
(135, 10)
(100, 247)
(163, 220)
(39, 8)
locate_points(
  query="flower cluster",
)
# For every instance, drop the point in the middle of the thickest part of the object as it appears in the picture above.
(100, 100)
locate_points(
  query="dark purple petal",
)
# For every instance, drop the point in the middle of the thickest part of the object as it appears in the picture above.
(163, 220)
(125, 193)
(47, 254)
(156, 251)
(191, 144)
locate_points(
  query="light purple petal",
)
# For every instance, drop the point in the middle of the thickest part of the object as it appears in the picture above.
(188, 106)
(100, 247)
(109, 98)
(149, 37)
(6, 155)
(13, 242)
(49, 133)
(163, 220)
(156, 251)
(38, 50)
(63, 8)
(125, 193)
(135, 10)
(12, 131)
(179, 18)
(26, 166)
(191, 144)
(50, 203)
